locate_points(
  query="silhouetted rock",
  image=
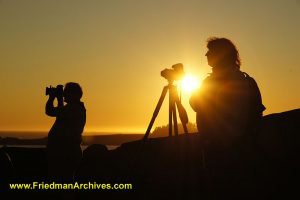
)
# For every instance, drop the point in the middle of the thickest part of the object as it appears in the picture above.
(97, 164)
(279, 135)
(279, 150)
(94, 151)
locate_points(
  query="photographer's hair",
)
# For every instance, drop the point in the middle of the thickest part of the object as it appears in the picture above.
(225, 45)
(74, 89)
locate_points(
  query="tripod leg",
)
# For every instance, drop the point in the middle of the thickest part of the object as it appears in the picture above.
(185, 128)
(173, 92)
(182, 112)
(156, 111)
(175, 121)
(170, 112)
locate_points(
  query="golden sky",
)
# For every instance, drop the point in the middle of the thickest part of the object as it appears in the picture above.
(116, 50)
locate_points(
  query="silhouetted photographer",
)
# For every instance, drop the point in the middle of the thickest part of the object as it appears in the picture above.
(229, 109)
(228, 105)
(64, 138)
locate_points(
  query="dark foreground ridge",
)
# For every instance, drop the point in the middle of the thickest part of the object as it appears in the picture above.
(182, 169)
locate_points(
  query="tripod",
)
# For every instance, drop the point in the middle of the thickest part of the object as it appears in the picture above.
(173, 102)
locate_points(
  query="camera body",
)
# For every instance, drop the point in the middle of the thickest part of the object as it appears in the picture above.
(56, 91)
(173, 74)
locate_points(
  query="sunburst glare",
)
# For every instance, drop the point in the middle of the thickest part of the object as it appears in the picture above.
(190, 83)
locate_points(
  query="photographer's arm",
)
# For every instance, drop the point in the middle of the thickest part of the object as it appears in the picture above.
(194, 102)
(50, 109)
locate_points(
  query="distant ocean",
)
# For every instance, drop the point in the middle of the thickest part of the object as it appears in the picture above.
(23, 135)
(83, 147)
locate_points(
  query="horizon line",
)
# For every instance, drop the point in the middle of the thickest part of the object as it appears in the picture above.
(88, 132)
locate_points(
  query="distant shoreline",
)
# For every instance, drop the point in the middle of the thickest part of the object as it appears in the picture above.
(83, 147)
(40, 138)
(41, 134)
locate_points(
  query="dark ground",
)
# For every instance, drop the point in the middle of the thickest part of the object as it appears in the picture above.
(181, 169)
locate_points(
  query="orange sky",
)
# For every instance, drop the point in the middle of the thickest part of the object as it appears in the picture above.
(116, 50)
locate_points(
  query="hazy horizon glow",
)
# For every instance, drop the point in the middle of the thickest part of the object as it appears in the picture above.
(116, 50)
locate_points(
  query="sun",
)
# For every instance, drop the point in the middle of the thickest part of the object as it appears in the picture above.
(190, 83)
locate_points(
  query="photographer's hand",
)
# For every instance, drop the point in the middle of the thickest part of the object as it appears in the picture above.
(51, 98)
(59, 96)
(60, 101)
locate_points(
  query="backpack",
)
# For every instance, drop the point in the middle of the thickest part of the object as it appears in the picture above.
(256, 107)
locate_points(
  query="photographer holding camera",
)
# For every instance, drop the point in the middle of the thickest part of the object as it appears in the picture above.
(64, 138)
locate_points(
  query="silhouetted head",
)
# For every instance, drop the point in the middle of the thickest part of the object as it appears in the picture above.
(72, 92)
(222, 54)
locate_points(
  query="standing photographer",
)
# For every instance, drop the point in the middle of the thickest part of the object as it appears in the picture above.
(229, 109)
(64, 138)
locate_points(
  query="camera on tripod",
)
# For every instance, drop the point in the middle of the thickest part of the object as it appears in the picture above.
(171, 75)
(174, 74)
(56, 91)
